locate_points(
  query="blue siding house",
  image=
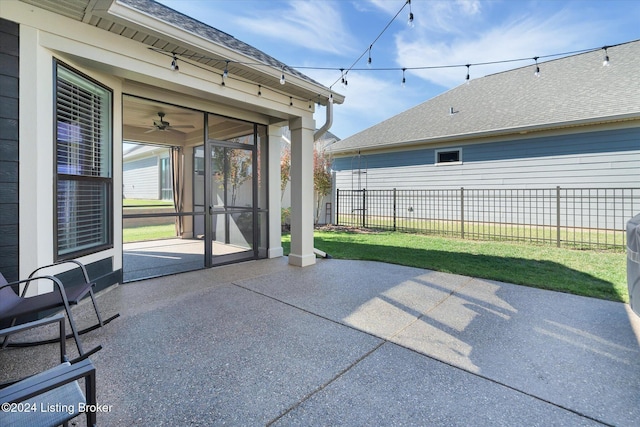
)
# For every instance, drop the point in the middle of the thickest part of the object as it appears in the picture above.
(575, 125)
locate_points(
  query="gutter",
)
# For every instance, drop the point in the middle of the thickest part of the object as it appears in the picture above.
(502, 132)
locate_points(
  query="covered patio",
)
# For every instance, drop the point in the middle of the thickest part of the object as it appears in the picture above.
(353, 343)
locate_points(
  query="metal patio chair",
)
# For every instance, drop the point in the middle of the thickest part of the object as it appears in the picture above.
(52, 397)
(14, 306)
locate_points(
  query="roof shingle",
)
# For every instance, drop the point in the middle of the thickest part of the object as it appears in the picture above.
(569, 91)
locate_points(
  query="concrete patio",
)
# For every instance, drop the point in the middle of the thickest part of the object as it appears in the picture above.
(354, 343)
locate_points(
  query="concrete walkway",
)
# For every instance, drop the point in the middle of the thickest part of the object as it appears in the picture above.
(357, 343)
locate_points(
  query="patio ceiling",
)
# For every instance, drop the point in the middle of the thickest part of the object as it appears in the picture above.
(186, 126)
(248, 63)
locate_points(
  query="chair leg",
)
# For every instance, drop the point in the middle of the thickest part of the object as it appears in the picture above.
(5, 341)
(73, 327)
(95, 306)
(90, 396)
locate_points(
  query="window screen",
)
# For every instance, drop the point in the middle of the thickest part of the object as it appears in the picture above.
(83, 164)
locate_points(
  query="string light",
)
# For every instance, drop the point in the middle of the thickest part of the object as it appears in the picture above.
(403, 79)
(175, 66)
(408, 2)
(605, 63)
(410, 20)
(369, 60)
(291, 101)
(225, 73)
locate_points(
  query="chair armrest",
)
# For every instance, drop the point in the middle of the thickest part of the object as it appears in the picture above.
(36, 323)
(54, 386)
(72, 261)
(47, 380)
(28, 281)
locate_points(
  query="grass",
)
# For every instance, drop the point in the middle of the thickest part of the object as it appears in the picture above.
(596, 274)
(570, 237)
(147, 203)
(148, 232)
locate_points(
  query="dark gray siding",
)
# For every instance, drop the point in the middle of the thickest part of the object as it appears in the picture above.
(9, 158)
(593, 159)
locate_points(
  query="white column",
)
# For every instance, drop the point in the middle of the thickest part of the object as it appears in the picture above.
(275, 227)
(302, 192)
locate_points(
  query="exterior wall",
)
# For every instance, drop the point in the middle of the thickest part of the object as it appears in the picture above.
(141, 178)
(605, 158)
(9, 152)
(125, 67)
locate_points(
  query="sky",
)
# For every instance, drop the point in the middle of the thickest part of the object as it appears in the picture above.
(319, 37)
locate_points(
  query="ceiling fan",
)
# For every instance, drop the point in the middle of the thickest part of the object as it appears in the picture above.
(163, 125)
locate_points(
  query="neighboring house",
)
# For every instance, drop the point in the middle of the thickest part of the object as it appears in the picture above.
(322, 146)
(79, 77)
(577, 124)
(146, 173)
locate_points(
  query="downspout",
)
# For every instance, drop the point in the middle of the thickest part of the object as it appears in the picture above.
(316, 136)
(327, 125)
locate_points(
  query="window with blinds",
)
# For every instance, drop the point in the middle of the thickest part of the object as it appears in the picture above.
(83, 164)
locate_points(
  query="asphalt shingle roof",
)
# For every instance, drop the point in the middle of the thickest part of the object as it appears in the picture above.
(569, 91)
(212, 34)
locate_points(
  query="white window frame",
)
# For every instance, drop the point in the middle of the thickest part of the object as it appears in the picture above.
(448, 150)
(83, 147)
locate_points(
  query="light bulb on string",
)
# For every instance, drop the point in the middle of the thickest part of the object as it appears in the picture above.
(282, 79)
(174, 64)
(225, 73)
(410, 20)
(605, 63)
(369, 60)
(344, 80)
(537, 73)
(259, 90)
(404, 80)
(467, 79)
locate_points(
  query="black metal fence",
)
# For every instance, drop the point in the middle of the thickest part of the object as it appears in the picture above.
(582, 218)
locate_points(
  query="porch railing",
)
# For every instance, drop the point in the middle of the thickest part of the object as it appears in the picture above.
(581, 218)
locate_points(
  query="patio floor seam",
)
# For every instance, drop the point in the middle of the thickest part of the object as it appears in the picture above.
(388, 340)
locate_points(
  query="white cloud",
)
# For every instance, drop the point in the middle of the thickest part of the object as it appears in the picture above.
(518, 38)
(317, 26)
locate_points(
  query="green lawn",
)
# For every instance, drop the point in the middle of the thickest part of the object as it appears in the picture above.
(145, 202)
(597, 274)
(148, 232)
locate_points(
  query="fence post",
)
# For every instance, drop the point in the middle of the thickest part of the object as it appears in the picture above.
(394, 209)
(337, 206)
(558, 216)
(462, 212)
(364, 207)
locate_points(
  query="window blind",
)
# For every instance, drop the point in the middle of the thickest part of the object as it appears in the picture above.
(83, 163)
